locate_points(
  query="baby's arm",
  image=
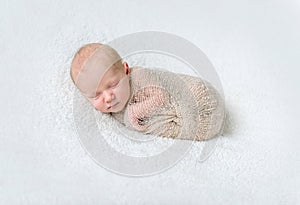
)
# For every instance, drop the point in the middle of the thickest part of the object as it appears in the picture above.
(146, 102)
(153, 113)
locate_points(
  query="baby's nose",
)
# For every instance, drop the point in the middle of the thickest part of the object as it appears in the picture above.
(109, 96)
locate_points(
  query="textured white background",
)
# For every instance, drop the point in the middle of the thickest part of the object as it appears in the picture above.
(254, 46)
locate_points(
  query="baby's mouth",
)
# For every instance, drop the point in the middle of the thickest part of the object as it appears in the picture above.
(112, 105)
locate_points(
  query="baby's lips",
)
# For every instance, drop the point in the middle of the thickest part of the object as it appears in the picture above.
(112, 105)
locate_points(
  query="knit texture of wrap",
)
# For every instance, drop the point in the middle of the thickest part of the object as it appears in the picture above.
(172, 105)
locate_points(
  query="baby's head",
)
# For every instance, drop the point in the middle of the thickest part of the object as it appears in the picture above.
(98, 72)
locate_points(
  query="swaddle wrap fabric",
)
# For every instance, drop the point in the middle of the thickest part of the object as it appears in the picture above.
(172, 105)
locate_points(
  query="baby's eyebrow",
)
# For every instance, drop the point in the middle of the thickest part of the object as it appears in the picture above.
(98, 93)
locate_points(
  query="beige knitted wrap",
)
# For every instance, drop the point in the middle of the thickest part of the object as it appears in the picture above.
(172, 105)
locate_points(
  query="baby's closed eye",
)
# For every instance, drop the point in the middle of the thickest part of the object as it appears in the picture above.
(114, 84)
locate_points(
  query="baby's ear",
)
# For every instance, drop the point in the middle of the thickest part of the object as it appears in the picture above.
(125, 64)
(126, 68)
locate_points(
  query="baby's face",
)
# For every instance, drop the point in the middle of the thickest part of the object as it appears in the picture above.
(113, 91)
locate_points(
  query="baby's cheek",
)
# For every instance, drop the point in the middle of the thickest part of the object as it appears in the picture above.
(97, 104)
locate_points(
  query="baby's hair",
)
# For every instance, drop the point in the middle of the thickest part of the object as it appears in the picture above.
(80, 57)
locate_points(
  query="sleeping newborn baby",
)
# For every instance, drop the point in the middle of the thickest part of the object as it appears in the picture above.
(151, 101)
